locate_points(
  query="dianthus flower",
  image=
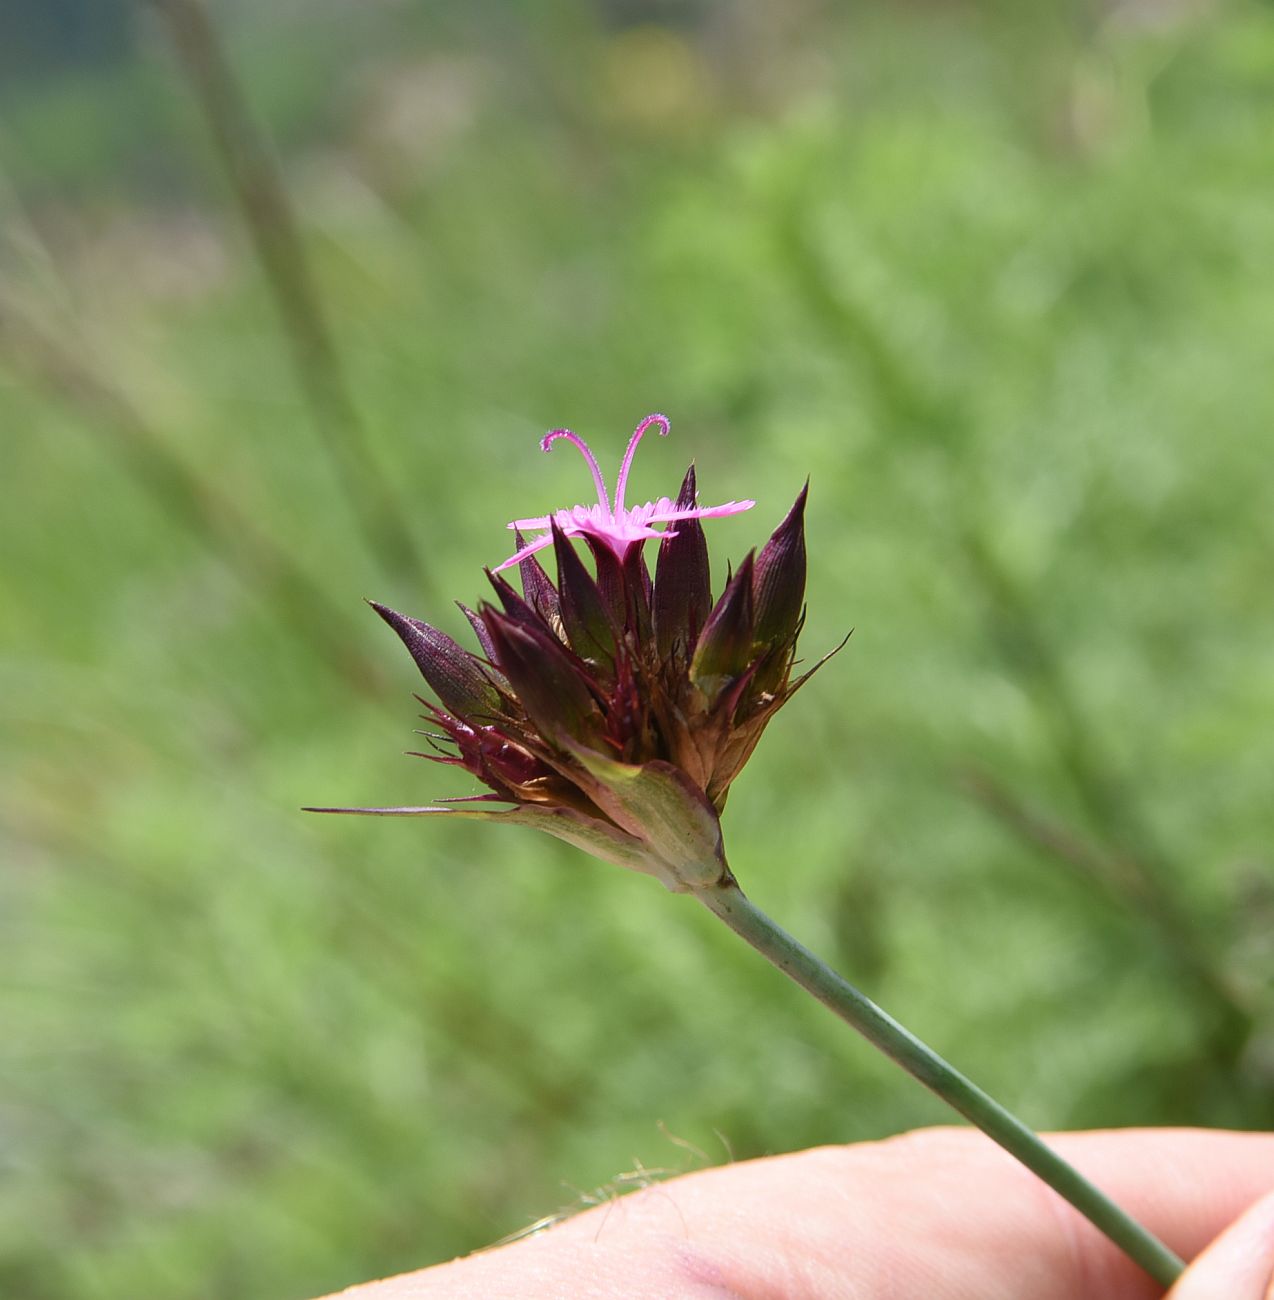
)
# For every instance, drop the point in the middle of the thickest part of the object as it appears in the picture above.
(612, 707)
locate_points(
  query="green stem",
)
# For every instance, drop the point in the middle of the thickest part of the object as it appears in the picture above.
(798, 963)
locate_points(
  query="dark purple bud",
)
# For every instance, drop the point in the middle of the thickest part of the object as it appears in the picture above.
(486, 752)
(625, 586)
(584, 616)
(479, 629)
(515, 608)
(778, 581)
(638, 590)
(683, 595)
(610, 581)
(536, 585)
(456, 677)
(549, 681)
(724, 648)
(506, 762)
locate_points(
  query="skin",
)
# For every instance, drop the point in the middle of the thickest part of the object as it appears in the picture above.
(940, 1214)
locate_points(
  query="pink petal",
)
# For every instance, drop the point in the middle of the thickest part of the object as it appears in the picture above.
(530, 549)
(665, 516)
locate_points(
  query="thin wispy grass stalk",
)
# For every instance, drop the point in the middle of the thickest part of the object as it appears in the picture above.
(262, 198)
(1126, 884)
(193, 501)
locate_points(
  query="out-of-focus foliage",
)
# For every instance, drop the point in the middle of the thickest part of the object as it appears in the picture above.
(1001, 284)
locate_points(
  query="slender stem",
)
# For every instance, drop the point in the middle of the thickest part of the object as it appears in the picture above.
(272, 225)
(798, 963)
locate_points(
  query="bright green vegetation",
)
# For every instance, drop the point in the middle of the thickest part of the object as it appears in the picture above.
(1005, 291)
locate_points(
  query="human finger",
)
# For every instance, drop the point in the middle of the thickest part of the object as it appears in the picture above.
(1239, 1265)
(944, 1213)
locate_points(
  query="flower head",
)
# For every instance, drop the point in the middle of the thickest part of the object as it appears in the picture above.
(618, 526)
(611, 708)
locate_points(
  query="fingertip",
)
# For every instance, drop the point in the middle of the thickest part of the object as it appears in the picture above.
(1239, 1264)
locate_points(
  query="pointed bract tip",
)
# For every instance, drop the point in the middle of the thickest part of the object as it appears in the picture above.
(688, 497)
(456, 676)
(778, 584)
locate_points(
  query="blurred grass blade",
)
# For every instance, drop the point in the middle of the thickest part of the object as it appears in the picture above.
(267, 212)
(195, 504)
(1138, 891)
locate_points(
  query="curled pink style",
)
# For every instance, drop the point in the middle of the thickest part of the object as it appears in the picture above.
(619, 527)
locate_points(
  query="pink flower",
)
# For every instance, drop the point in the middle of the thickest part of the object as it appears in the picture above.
(613, 708)
(619, 527)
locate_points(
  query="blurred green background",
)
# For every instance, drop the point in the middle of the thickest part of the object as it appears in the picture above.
(999, 278)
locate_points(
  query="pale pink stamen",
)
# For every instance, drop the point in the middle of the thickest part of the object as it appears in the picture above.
(602, 498)
(621, 484)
